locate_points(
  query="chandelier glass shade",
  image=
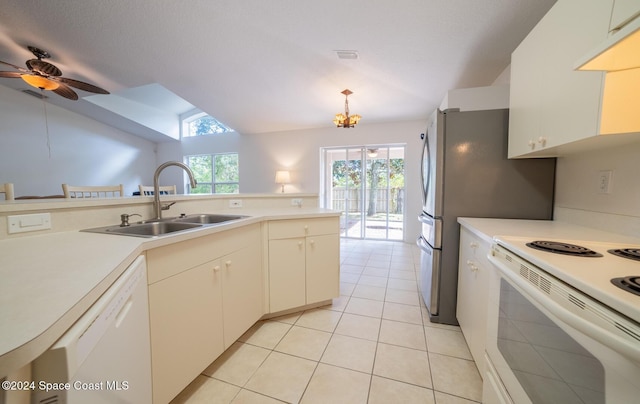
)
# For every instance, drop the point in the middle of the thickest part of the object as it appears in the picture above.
(345, 120)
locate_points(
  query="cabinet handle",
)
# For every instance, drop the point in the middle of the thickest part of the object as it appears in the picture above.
(227, 263)
(299, 243)
(473, 244)
(472, 266)
(216, 268)
(312, 242)
(542, 140)
(306, 229)
(532, 144)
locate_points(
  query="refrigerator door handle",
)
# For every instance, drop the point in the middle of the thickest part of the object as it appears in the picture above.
(426, 159)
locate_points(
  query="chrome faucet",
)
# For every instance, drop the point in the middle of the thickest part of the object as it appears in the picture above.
(157, 209)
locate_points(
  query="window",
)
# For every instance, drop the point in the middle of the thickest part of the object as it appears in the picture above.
(202, 124)
(215, 173)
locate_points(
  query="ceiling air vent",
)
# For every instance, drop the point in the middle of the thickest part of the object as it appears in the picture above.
(35, 94)
(347, 54)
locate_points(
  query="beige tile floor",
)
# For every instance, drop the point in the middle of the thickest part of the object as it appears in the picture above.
(374, 344)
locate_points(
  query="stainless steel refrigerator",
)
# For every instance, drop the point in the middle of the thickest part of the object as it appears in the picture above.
(466, 173)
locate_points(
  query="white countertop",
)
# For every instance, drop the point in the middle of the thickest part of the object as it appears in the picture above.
(490, 228)
(49, 281)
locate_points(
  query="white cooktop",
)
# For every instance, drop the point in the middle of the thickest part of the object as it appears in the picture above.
(591, 275)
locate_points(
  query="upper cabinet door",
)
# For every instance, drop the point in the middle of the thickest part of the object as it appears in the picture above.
(551, 104)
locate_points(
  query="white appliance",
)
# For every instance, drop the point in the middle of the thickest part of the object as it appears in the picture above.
(465, 172)
(105, 357)
(560, 329)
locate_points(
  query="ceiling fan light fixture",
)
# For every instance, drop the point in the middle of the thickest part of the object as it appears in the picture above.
(345, 120)
(45, 76)
(40, 82)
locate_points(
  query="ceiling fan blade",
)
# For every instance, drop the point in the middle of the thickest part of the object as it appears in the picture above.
(22, 69)
(66, 92)
(11, 74)
(81, 85)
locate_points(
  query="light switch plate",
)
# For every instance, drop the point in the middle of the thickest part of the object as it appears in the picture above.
(25, 223)
(235, 203)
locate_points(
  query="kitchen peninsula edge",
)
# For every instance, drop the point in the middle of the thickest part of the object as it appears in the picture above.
(51, 278)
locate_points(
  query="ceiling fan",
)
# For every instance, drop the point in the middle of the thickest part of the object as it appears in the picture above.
(45, 76)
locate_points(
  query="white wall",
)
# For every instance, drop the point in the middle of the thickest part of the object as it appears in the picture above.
(83, 151)
(299, 152)
(578, 200)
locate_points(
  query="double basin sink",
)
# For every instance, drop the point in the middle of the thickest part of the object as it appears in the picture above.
(163, 227)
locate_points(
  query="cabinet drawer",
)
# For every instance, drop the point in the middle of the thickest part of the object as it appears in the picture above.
(172, 259)
(473, 247)
(291, 228)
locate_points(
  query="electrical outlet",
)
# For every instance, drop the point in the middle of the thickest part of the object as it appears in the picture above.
(235, 203)
(296, 202)
(605, 179)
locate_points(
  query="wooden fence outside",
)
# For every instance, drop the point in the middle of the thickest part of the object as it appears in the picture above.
(354, 196)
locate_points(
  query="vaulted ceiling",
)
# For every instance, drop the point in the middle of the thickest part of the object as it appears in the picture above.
(262, 66)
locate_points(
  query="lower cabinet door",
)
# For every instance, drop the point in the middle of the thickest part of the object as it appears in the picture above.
(323, 267)
(286, 274)
(185, 316)
(242, 292)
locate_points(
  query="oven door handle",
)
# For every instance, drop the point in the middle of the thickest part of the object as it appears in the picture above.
(555, 310)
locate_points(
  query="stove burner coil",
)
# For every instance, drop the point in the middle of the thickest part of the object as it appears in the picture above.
(630, 253)
(558, 247)
(629, 283)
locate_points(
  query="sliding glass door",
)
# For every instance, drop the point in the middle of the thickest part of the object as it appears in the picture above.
(366, 184)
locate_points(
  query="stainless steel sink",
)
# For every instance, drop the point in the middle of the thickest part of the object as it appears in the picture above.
(166, 226)
(153, 229)
(208, 218)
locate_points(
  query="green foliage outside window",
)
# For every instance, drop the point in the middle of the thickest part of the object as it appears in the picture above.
(348, 174)
(206, 125)
(215, 173)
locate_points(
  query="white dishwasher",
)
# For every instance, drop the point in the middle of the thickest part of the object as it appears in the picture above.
(105, 357)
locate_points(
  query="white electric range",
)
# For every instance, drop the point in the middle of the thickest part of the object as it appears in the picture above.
(589, 273)
(559, 329)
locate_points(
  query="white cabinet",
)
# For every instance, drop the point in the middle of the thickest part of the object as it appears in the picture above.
(242, 290)
(304, 262)
(551, 104)
(473, 282)
(203, 294)
(186, 332)
(287, 274)
(623, 12)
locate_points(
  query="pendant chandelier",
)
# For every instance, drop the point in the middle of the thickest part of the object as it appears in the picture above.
(345, 120)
